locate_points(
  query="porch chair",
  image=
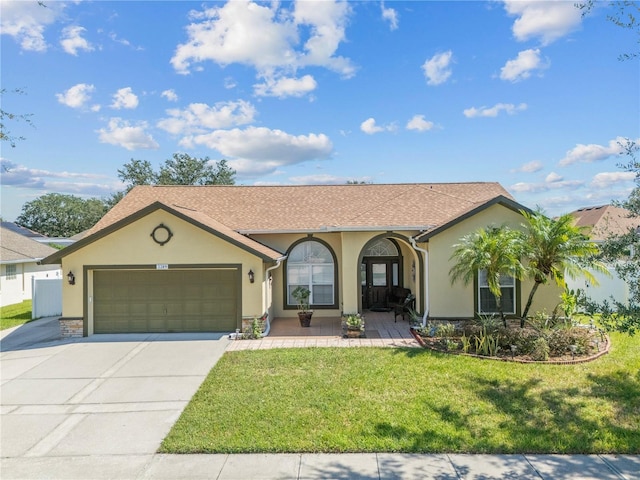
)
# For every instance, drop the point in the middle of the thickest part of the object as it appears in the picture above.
(406, 306)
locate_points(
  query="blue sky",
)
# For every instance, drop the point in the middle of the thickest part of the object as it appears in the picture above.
(526, 93)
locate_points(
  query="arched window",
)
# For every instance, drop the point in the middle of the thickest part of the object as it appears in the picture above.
(310, 264)
(381, 248)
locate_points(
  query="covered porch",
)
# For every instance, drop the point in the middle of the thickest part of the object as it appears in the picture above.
(380, 331)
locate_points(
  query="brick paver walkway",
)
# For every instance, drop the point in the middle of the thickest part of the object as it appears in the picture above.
(381, 331)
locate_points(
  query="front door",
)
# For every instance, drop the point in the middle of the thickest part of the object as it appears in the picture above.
(377, 276)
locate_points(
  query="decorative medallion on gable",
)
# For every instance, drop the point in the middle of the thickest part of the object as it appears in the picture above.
(161, 234)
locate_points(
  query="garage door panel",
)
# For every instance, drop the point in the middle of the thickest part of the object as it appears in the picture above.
(165, 300)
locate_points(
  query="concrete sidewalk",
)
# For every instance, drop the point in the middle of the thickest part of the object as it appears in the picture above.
(367, 466)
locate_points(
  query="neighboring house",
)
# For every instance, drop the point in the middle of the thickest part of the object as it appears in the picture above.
(57, 242)
(211, 258)
(602, 222)
(19, 257)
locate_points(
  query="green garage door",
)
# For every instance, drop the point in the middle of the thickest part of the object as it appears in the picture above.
(199, 300)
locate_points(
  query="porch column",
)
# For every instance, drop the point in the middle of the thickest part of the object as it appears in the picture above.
(425, 279)
(350, 279)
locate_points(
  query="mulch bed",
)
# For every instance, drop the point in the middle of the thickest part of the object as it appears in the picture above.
(434, 343)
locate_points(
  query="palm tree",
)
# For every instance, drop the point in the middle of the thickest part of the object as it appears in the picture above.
(497, 250)
(554, 248)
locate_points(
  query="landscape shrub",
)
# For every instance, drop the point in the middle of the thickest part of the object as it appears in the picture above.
(540, 351)
(561, 339)
(523, 338)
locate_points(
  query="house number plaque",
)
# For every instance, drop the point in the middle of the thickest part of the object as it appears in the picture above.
(161, 234)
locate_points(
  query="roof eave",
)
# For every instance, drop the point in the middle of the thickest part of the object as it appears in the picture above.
(327, 229)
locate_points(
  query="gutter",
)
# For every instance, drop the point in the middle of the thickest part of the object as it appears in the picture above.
(24, 260)
(426, 279)
(333, 228)
(267, 327)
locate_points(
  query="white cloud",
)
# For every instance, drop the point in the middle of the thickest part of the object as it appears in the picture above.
(123, 41)
(72, 40)
(76, 96)
(546, 20)
(326, 23)
(370, 127)
(509, 108)
(124, 98)
(593, 153)
(259, 150)
(285, 87)
(607, 179)
(553, 177)
(419, 124)
(26, 22)
(521, 67)
(132, 137)
(199, 118)
(391, 16)
(551, 182)
(266, 36)
(437, 68)
(170, 95)
(323, 179)
(20, 176)
(530, 167)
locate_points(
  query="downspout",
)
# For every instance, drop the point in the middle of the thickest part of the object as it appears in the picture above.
(426, 280)
(267, 290)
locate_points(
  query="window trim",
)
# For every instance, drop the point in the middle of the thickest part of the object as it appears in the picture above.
(285, 273)
(516, 297)
(14, 274)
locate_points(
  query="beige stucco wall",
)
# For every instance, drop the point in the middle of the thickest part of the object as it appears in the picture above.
(347, 247)
(133, 245)
(448, 300)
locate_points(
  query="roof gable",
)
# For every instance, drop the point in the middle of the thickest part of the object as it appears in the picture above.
(605, 220)
(500, 200)
(191, 216)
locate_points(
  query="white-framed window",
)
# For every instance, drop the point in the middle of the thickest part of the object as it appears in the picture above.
(487, 301)
(310, 264)
(11, 272)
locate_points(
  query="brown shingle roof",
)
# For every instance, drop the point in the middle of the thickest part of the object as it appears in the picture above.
(15, 247)
(605, 220)
(314, 207)
(207, 221)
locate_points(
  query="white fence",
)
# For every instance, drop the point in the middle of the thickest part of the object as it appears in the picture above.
(47, 297)
(608, 286)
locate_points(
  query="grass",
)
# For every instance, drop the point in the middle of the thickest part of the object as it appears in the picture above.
(410, 400)
(14, 315)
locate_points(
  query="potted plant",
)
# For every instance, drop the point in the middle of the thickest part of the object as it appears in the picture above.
(354, 325)
(301, 294)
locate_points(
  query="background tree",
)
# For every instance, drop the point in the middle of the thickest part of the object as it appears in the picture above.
(623, 252)
(626, 14)
(5, 133)
(496, 250)
(553, 248)
(181, 169)
(57, 215)
(185, 170)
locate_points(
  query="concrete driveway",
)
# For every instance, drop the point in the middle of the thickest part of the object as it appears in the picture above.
(103, 395)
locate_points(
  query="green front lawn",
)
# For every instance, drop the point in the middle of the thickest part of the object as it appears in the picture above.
(410, 400)
(14, 315)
